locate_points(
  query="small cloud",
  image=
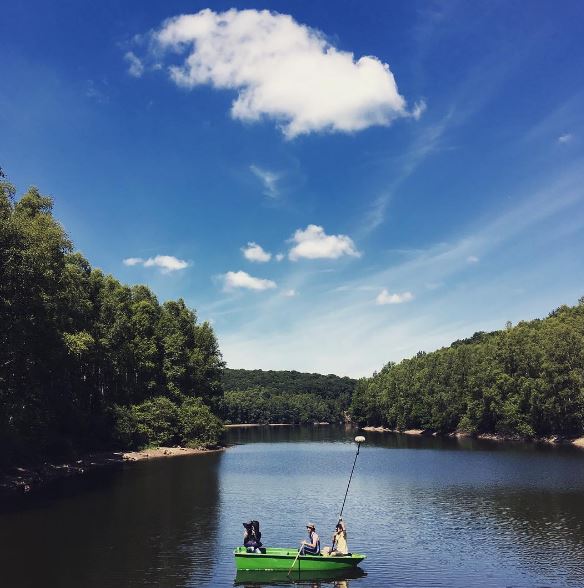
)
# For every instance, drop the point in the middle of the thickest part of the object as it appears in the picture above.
(314, 243)
(289, 293)
(279, 257)
(166, 263)
(255, 252)
(242, 279)
(269, 180)
(384, 297)
(135, 65)
(565, 138)
(472, 259)
(93, 91)
(419, 109)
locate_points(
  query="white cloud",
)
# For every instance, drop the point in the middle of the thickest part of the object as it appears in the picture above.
(472, 259)
(419, 109)
(167, 263)
(314, 243)
(289, 293)
(565, 138)
(384, 297)
(281, 70)
(255, 252)
(242, 279)
(279, 257)
(135, 65)
(269, 180)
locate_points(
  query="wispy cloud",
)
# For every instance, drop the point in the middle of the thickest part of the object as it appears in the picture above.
(166, 263)
(384, 297)
(269, 180)
(289, 293)
(242, 279)
(328, 327)
(282, 70)
(419, 109)
(255, 252)
(96, 91)
(135, 65)
(472, 259)
(314, 243)
(565, 138)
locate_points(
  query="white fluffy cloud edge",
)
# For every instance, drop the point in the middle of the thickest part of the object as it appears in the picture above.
(166, 263)
(384, 297)
(313, 243)
(241, 279)
(280, 69)
(254, 252)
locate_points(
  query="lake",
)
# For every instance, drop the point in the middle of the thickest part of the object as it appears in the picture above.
(427, 512)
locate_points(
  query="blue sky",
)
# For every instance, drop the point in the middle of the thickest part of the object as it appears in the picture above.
(333, 185)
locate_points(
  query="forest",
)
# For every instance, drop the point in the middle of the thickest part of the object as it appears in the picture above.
(257, 396)
(86, 362)
(524, 381)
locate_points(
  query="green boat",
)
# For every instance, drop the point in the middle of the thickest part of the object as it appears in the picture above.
(281, 558)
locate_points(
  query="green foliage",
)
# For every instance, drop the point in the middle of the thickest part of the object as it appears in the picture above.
(155, 422)
(160, 422)
(257, 396)
(86, 362)
(198, 426)
(523, 381)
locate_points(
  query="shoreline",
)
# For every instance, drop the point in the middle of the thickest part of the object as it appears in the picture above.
(21, 480)
(250, 425)
(552, 440)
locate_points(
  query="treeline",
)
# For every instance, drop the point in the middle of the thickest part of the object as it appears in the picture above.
(525, 381)
(86, 362)
(257, 396)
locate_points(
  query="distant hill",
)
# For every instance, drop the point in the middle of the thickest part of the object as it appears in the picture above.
(289, 382)
(284, 396)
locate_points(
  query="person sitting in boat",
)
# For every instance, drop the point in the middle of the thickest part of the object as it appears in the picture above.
(339, 547)
(312, 546)
(252, 536)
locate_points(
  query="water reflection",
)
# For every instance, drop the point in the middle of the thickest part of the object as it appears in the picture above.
(335, 578)
(288, 434)
(152, 524)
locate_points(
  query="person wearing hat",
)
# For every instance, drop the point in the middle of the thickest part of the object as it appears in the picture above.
(312, 546)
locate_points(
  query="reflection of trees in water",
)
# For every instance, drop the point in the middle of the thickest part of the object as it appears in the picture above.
(288, 434)
(542, 530)
(154, 524)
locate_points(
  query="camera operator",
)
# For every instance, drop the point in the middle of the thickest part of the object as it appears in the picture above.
(252, 536)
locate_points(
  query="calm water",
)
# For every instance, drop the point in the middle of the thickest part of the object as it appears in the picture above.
(427, 513)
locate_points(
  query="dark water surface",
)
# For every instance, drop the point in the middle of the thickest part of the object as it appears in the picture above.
(427, 512)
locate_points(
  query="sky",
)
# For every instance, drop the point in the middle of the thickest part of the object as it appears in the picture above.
(333, 185)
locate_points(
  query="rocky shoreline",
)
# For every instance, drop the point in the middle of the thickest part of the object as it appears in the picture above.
(552, 440)
(25, 479)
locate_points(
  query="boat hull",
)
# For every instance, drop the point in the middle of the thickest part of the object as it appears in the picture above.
(276, 558)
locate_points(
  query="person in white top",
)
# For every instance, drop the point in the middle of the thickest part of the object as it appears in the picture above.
(340, 546)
